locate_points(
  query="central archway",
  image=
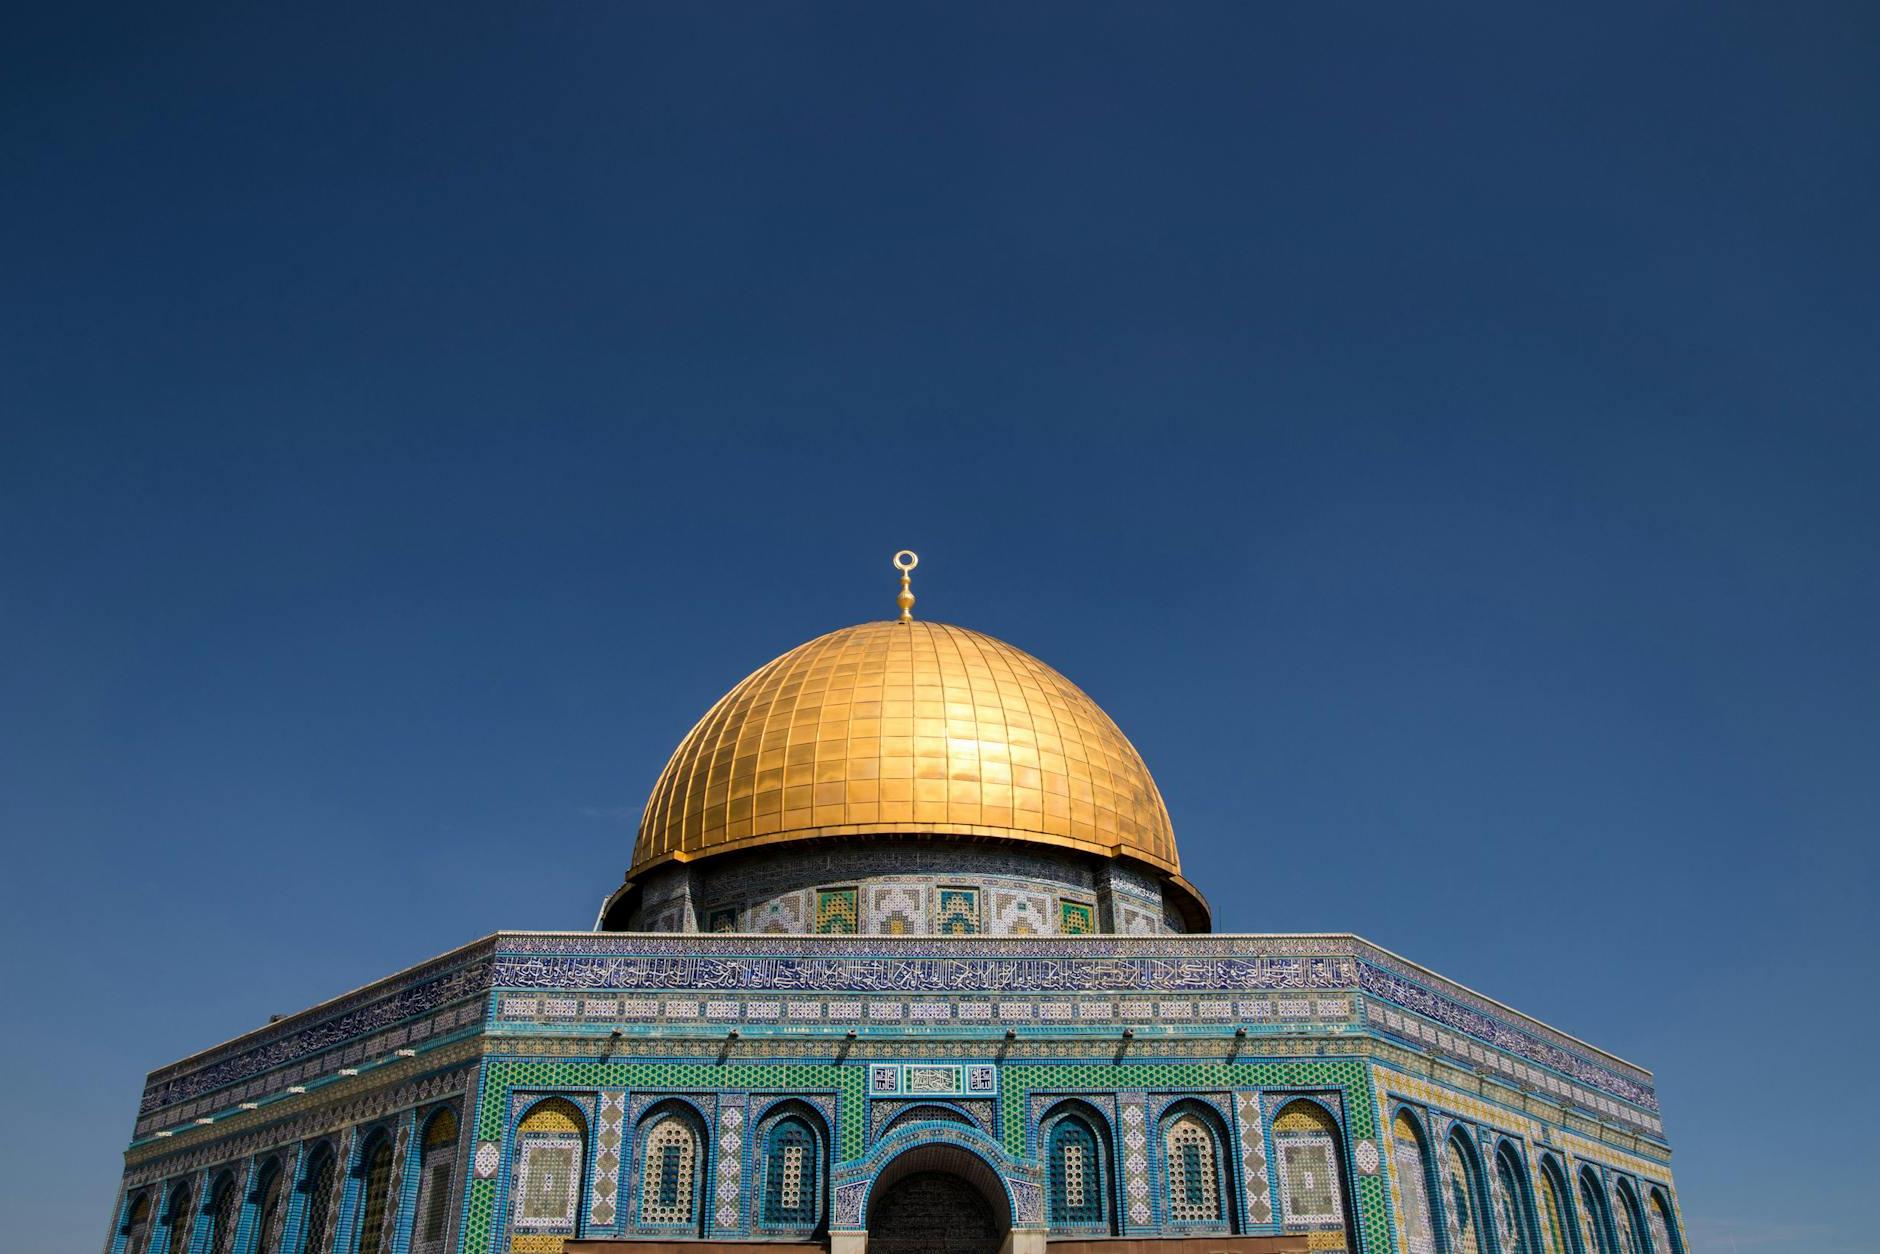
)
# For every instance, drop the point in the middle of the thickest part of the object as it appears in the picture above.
(938, 1199)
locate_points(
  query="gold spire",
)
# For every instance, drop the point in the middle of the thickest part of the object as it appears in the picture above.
(905, 561)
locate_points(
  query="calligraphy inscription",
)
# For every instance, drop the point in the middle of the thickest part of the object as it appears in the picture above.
(921, 975)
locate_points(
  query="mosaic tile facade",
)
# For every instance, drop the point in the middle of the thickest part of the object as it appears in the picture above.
(893, 1041)
(903, 889)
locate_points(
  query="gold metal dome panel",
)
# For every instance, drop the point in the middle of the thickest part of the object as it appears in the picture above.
(905, 728)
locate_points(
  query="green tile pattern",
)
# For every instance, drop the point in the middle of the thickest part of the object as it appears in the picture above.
(1020, 1080)
(500, 1076)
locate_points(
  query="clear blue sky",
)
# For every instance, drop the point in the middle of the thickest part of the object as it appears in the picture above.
(1446, 441)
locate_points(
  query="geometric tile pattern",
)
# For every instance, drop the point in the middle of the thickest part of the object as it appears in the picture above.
(730, 1154)
(957, 912)
(1410, 1187)
(545, 1032)
(1506, 1196)
(1462, 1211)
(837, 911)
(1254, 1184)
(603, 1205)
(1136, 1204)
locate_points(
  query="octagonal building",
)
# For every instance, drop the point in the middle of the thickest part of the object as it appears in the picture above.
(904, 963)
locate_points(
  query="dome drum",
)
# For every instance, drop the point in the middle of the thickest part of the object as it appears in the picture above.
(902, 885)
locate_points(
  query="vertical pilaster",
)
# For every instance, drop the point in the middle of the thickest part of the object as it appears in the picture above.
(733, 1133)
(1256, 1184)
(1138, 1209)
(604, 1190)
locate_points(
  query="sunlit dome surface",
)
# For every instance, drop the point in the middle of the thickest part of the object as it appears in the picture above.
(905, 728)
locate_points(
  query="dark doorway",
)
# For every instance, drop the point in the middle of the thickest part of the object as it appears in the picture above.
(932, 1212)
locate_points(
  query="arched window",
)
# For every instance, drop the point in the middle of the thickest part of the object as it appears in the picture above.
(1077, 1175)
(177, 1220)
(1556, 1216)
(1462, 1198)
(550, 1143)
(1664, 1227)
(1629, 1220)
(1593, 1220)
(1191, 1157)
(375, 1171)
(270, 1199)
(436, 1167)
(792, 1175)
(1311, 1185)
(316, 1183)
(1513, 1214)
(224, 1210)
(137, 1225)
(1410, 1161)
(669, 1172)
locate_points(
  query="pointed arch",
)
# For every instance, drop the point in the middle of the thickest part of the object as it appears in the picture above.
(1556, 1209)
(1629, 1219)
(1310, 1152)
(269, 1198)
(136, 1225)
(179, 1219)
(317, 1179)
(1595, 1218)
(1079, 1168)
(671, 1169)
(1663, 1223)
(373, 1170)
(1463, 1209)
(1195, 1189)
(437, 1162)
(1413, 1171)
(1513, 1202)
(224, 1214)
(550, 1158)
(792, 1168)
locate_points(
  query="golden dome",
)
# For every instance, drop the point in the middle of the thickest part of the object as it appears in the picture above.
(906, 728)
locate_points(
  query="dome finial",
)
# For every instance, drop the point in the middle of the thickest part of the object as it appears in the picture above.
(905, 561)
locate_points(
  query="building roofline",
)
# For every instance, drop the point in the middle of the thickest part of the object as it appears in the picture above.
(493, 941)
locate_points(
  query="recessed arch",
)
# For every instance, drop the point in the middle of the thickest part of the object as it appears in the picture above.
(1595, 1216)
(548, 1169)
(1663, 1222)
(136, 1225)
(1463, 1195)
(437, 1163)
(269, 1197)
(1413, 1173)
(373, 1172)
(670, 1168)
(1628, 1219)
(179, 1218)
(1309, 1146)
(319, 1179)
(1191, 1154)
(1075, 1146)
(1556, 1208)
(792, 1168)
(223, 1213)
(1512, 1201)
(941, 1158)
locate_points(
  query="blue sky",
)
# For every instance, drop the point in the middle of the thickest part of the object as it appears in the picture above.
(1444, 439)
